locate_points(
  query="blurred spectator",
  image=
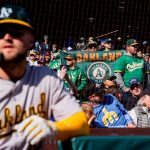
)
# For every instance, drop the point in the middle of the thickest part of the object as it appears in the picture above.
(41, 58)
(37, 47)
(45, 45)
(101, 44)
(55, 48)
(134, 94)
(111, 87)
(109, 81)
(74, 78)
(108, 110)
(129, 66)
(118, 44)
(88, 110)
(55, 53)
(140, 114)
(81, 45)
(108, 45)
(32, 58)
(40, 63)
(92, 47)
(147, 70)
(146, 57)
(145, 46)
(47, 58)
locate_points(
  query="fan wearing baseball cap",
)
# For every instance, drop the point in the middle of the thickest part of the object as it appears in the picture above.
(129, 66)
(74, 78)
(31, 95)
(134, 94)
(108, 110)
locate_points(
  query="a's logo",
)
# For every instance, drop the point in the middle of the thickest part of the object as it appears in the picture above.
(5, 12)
(97, 71)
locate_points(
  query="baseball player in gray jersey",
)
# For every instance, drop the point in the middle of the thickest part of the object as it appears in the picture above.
(30, 95)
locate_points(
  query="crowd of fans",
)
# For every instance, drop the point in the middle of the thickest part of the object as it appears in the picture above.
(46, 48)
(121, 100)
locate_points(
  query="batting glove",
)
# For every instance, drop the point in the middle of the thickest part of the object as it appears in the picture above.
(35, 128)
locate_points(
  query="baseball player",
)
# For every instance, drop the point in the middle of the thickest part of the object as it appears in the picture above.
(30, 95)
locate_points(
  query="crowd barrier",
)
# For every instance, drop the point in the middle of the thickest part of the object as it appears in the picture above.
(107, 143)
(103, 139)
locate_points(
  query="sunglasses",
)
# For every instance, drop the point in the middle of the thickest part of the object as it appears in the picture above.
(133, 86)
(69, 59)
(135, 46)
(15, 33)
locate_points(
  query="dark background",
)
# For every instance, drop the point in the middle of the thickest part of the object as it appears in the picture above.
(61, 19)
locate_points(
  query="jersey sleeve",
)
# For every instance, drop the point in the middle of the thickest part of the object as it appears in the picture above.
(119, 65)
(76, 125)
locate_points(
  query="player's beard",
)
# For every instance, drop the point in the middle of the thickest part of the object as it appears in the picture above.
(17, 59)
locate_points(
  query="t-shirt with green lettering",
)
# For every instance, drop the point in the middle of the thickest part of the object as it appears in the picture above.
(131, 67)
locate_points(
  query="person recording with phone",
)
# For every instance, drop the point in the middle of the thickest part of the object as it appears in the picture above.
(74, 78)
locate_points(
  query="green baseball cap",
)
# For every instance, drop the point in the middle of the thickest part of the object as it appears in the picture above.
(131, 42)
(11, 14)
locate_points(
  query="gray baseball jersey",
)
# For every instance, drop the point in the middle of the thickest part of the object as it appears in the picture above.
(38, 92)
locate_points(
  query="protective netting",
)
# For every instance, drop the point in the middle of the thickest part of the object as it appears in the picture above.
(61, 19)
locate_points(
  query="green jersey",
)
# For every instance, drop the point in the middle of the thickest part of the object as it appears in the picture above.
(131, 67)
(78, 77)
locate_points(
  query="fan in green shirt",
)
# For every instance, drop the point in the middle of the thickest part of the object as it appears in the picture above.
(74, 78)
(129, 66)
